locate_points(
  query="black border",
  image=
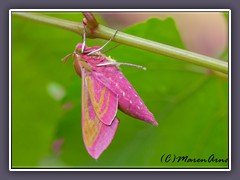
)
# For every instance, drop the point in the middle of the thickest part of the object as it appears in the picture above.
(61, 4)
(133, 168)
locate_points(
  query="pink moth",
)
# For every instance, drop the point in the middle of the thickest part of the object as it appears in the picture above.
(104, 90)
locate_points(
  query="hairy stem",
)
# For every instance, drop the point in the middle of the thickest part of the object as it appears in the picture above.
(123, 38)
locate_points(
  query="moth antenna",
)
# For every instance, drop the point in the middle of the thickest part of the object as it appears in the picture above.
(65, 59)
(99, 49)
(83, 38)
(121, 63)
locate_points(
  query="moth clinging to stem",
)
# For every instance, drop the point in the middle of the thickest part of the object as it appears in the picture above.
(104, 90)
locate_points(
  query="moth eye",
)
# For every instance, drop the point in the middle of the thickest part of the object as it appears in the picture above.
(79, 51)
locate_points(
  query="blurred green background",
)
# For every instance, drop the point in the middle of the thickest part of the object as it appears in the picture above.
(189, 103)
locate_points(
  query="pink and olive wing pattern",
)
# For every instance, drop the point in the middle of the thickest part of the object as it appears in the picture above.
(99, 123)
(104, 101)
(128, 99)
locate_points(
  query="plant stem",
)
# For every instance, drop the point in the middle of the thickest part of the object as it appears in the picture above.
(123, 38)
(163, 49)
(61, 23)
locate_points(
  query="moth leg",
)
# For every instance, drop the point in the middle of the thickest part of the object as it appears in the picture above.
(99, 49)
(103, 52)
(121, 63)
(83, 38)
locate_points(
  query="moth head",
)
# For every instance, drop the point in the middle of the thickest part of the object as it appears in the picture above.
(76, 54)
(78, 48)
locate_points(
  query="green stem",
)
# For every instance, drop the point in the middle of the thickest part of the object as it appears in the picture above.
(123, 38)
(163, 49)
(61, 23)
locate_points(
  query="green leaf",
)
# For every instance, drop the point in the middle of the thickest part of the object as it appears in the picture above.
(37, 51)
(225, 55)
(189, 103)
